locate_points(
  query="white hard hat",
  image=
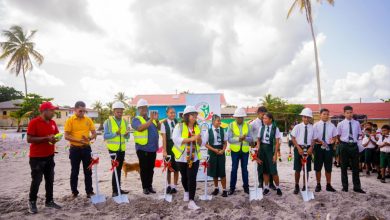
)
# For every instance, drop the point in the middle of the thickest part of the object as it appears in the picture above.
(189, 109)
(239, 112)
(118, 105)
(142, 102)
(307, 112)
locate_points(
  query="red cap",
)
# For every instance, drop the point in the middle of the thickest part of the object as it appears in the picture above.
(47, 106)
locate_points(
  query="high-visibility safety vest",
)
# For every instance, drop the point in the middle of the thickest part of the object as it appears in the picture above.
(235, 147)
(117, 143)
(141, 137)
(179, 150)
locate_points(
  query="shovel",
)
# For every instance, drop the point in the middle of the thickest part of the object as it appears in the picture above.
(255, 193)
(165, 196)
(205, 196)
(120, 198)
(97, 198)
(306, 195)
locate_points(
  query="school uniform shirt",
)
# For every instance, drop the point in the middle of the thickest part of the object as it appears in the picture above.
(330, 131)
(343, 128)
(370, 144)
(381, 141)
(299, 133)
(178, 140)
(256, 127)
(267, 131)
(170, 123)
(205, 136)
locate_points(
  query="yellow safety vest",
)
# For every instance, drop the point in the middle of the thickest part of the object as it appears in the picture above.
(118, 141)
(179, 150)
(141, 137)
(235, 147)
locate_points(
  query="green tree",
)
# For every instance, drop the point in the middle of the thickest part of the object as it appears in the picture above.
(20, 48)
(306, 5)
(9, 93)
(385, 100)
(98, 106)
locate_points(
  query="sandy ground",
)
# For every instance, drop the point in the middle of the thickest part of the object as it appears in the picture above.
(15, 183)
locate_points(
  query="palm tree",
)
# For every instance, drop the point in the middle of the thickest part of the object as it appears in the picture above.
(306, 5)
(121, 96)
(20, 48)
(267, 100)
(98, 106)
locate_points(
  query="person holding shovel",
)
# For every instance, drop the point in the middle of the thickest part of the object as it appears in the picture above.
(187, 140)
(115, 134)
(216, 144)
(302, 137)
(269, 143)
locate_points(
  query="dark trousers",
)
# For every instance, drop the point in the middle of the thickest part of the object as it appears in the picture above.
(77, 155)
(42, 166)
(349, 155)
(146, 165)
(120, 157)
(236, 158)
(188, 177)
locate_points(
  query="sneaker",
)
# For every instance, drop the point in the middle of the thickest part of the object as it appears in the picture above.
(374, 171)
(379, 177)
(231, 192)
(278, 192)
(89, 195)
(75, 194)
(318, 188)
(151, 190)
(169, 190)
(280, 159)
(383, 180)
(32, 207)
(304, 188)
(344, 189)
(173, 191)
(124, 192)
(186, 197)
(146, 192)
(215, 192)
(224, 193)
(52, 204)
(246, 190)
(272, 186)
(266, 192)
(330, 188)
(359, 191)
(296, 190)
(192, 205)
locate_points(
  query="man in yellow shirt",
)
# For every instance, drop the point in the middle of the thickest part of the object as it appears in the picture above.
(79, 131)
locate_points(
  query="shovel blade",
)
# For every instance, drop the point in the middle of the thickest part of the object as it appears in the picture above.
(166, 197)
(121, 199)
(98, 199)
(205, 197)
(255, 194)
(307, 196)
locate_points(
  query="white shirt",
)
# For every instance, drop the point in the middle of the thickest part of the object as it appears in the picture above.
(162, 128)
(343, 130)
(266, 140)
(178, 140)
(330, 131)
(381, 142)
(370, 144)
(299, 134)
(205, 137)
(256, 126)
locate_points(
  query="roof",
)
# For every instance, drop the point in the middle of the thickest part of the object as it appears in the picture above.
(167, 99)
(377, 110)
(12, 104)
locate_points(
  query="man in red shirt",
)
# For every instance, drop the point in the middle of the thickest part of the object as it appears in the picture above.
(40, 134)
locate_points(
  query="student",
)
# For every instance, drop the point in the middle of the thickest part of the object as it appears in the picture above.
(40, 135)
(79, 131)
(216, 144)
(369, 143)
(166, 131)
(384, 146)
(115, 134)
(187, 140)
(289, 139)
(239, 137)
(325, 135)
(348, 132)
(269, 143)
(302, 137)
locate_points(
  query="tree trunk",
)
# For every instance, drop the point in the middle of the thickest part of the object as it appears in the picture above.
(317, 65)
(25, 83)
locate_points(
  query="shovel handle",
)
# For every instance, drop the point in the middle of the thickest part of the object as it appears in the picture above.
(168, 158)
(113, 155)
(207, 158)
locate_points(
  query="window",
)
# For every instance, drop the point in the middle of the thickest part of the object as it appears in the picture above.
(4, 112)
(180, 114)
(58, 114)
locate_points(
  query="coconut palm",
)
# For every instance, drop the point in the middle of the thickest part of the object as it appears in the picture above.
(98, 106)
(306, 5)
(121, 96)
(20, 48)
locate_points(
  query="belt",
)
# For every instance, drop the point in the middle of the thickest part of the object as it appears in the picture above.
(82, 146)
(304, 146)
(348, 143)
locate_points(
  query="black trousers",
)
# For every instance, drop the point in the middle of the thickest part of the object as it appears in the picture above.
(42, 166)
(349, 155)
(146, 165)
(76, 156)
(120, 157)
(188, 177)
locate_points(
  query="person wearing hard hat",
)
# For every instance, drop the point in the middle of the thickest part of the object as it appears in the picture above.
(239, 137)
(303, 140)
(146, 143)
(187, 140)
(115, 134)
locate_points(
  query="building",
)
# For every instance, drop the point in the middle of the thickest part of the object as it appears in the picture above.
(159, 103)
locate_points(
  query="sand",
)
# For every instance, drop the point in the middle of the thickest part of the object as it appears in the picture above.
(15, 183)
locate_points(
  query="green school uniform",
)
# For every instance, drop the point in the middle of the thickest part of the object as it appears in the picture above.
(217, 162)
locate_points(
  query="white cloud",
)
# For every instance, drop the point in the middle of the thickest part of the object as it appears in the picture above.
(42, 78)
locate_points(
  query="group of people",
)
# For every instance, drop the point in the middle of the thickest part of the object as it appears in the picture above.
(259, 140)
